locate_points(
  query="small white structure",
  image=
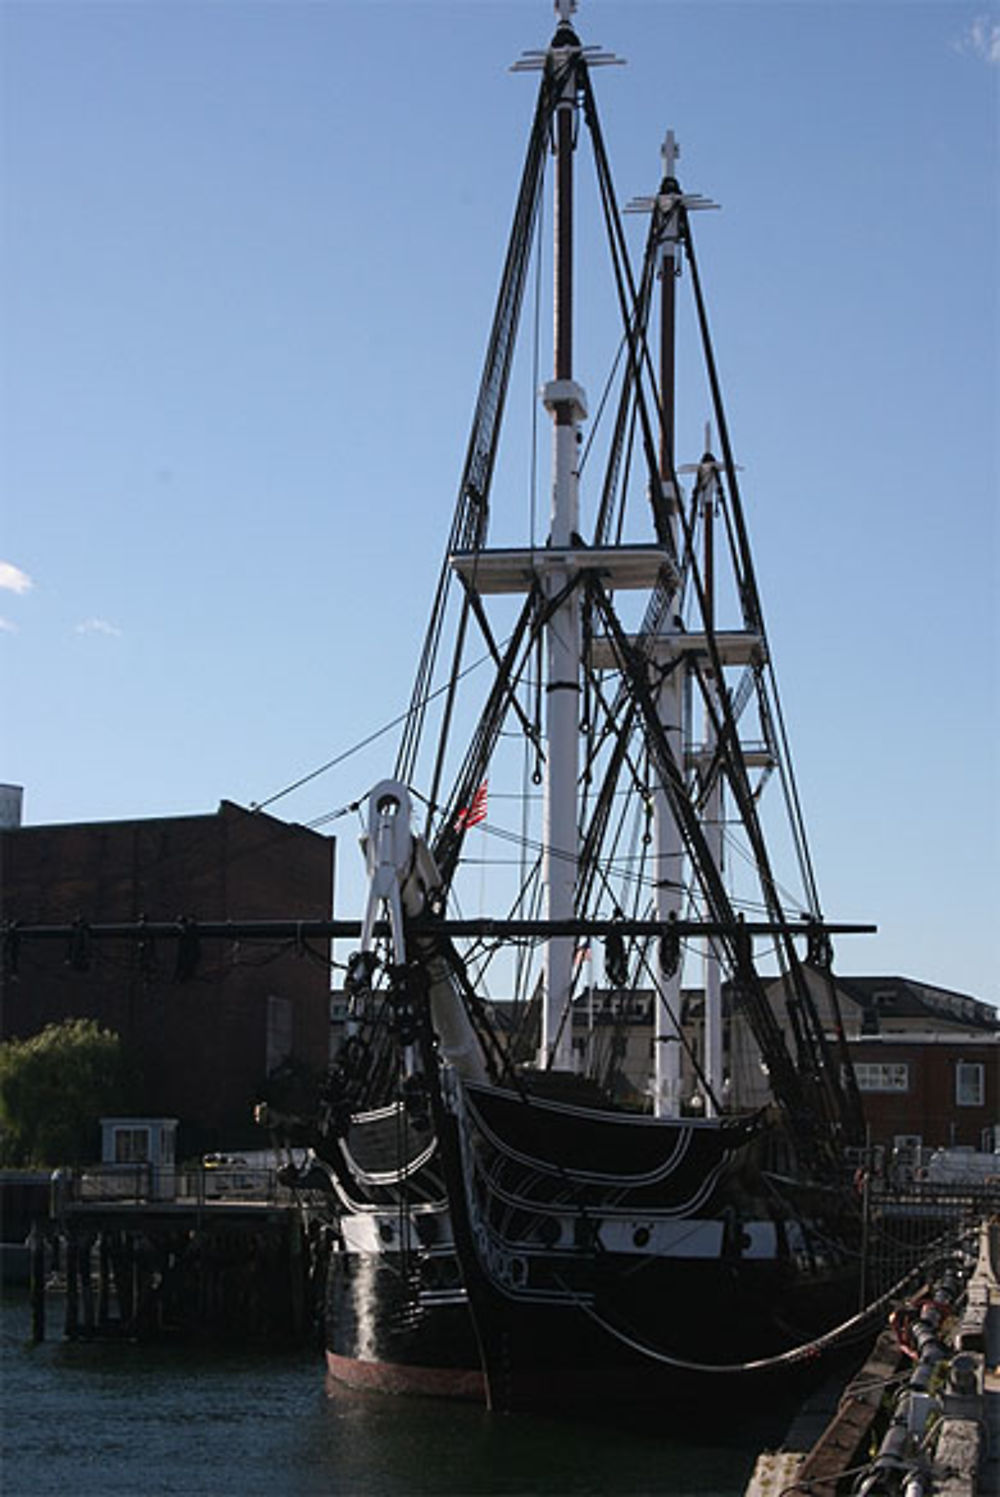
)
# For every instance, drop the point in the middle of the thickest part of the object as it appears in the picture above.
(130, 1143)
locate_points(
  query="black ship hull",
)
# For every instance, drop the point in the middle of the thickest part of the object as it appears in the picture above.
(683, 1330)
(546, 1255)
(383, 1334)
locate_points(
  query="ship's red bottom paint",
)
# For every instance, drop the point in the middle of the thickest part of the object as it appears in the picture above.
(394, 1377)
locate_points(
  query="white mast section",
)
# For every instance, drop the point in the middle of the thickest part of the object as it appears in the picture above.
(556, 565)
(566, 402)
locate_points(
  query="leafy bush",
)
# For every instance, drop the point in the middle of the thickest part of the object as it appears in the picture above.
(54, 1087)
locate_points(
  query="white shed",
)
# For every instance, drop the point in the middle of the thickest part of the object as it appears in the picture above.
(129, 1143)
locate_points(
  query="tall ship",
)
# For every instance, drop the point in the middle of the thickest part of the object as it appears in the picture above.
(547, 1184)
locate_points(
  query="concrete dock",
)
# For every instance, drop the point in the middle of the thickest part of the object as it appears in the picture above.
(921, 1416)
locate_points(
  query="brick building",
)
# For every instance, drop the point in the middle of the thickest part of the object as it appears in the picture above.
(927, 1060)
(927, 1063)
(202, 1045)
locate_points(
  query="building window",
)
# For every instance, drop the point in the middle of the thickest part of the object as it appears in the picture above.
(882, 1076)
(969, 1083)
(131, 1146)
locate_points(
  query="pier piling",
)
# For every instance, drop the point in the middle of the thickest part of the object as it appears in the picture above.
(235, 1270)
(37, 1281)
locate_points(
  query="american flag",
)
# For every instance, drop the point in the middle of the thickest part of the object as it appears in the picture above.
(474, 813)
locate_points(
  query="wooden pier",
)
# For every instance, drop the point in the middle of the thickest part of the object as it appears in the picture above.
(247, 1266)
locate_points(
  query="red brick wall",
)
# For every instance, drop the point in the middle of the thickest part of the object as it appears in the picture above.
(929, 1107)
(200, 1045)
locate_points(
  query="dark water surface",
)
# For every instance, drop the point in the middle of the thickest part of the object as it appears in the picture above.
(117, 1420)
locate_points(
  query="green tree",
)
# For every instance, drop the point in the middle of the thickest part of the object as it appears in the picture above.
(54, 1086)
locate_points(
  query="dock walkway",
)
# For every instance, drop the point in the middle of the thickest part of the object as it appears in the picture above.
(946, 1437)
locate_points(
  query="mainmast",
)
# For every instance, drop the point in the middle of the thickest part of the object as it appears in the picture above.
(566, 402)
(669, 649)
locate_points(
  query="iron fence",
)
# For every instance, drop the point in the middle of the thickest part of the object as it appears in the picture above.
(201, 1185)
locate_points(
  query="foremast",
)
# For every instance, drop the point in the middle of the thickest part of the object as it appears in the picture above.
(566, 402)
(556, 570)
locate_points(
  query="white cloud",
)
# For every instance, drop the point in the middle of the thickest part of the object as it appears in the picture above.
(13, 579)
(98, 626)
(982, 38)
(6, 627)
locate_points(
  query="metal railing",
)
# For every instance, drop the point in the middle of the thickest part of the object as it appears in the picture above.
(908, 1222)
(141, 1184)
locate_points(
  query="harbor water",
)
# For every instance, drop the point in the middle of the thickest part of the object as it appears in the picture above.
(92, 1419)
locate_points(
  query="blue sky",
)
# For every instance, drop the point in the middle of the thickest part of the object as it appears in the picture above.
(249, 255)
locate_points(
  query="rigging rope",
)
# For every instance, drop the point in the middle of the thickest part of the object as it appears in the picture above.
(468, 531)
(364, 743)
(806, 1352)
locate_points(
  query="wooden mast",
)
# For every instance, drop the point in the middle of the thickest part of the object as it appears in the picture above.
(566, 402)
